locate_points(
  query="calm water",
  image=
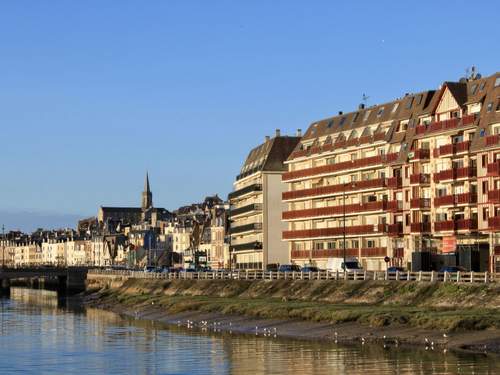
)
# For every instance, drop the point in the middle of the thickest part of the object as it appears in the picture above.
(41, 335)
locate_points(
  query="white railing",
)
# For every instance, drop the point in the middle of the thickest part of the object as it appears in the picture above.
(463, 277)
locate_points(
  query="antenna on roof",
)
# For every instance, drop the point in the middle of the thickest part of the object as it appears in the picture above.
(364, 99)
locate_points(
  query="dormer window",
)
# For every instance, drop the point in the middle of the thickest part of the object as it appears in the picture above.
(481, 87)
(356, 115)
(342, 121)
(365, 117)
(497, 81)
(330, 124)
(380, 111)
(409, 103)
(419, 99)
(489, 108)
(473, 89)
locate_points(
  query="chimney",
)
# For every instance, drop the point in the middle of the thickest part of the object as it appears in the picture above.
(266, 138)
(299, 132)
(278, 133)
(341, 113)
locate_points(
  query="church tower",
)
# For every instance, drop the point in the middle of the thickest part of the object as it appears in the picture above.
(147, 196)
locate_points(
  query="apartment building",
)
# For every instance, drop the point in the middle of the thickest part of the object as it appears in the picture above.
(418, 173)
(256, 206)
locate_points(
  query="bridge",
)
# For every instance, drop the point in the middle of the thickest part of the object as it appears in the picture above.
(69, 279)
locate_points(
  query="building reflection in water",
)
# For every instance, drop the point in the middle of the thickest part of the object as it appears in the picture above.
(39, 331)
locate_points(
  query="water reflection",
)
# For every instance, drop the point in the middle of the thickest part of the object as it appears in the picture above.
(41, 334)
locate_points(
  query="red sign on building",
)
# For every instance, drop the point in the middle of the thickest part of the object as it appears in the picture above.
(449, 244)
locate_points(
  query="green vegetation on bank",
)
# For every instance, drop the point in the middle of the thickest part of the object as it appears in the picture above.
(424, 305)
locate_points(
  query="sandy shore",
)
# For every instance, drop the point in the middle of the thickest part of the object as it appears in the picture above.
(485, 341)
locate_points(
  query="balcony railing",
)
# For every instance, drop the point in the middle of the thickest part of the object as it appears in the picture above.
(325, 253)
(465, 224)
(398, 252)
(394, 182)
(254, 245)
(452, 148)
(445, 125)
(334, 232)
(395, 206)
(246, 209)
(335, 210)
(492, 140)
(494, 196)
(420, 227)
(455, 174)
(494, 223)
(493, 169)
(246, 228)
(335, 189)
(300, 254)
(444, 226)
(339, 144)
(421, 154)
(347, 165)
(420, 203)
(457, 199)
(395, 229)
(373, 251)
(420, 178)
(246, 190)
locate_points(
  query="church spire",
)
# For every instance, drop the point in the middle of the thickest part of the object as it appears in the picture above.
(146, 184)
(147, 196)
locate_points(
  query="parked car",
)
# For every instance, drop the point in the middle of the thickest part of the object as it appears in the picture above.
(395, 269)
(310, 269)
(337, 264)
(149, 269)
(289, 268)
(452, 269)
(272, 267)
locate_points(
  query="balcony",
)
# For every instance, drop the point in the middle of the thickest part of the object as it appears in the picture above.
(395, 183)
(452, 149)
(494, 223)
(444, 226)
(246, 228)
(420, 179)
(394, 230)
(335, 189)
(455, 174)
(246, 209)
(457, 199)
(465, 224)
(244, 191)
(398, 252)
(420, 203)
(420, 154)
(335, 210)
(420, 227)
(255, 245)
(394, 206)
(300, 254)
(445, 125)
(342, 166)
(373, 252)
(493, 169)
(334, 232)
(492, 140)
(494, 196)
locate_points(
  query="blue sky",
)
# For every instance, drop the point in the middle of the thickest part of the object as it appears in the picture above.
(94, 93)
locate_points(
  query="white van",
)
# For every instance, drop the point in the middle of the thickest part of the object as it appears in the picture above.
(337, 264)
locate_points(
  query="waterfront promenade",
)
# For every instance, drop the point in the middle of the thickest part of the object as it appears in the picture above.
(432, 276)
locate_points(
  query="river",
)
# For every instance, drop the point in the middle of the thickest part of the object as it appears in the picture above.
(41, 334)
